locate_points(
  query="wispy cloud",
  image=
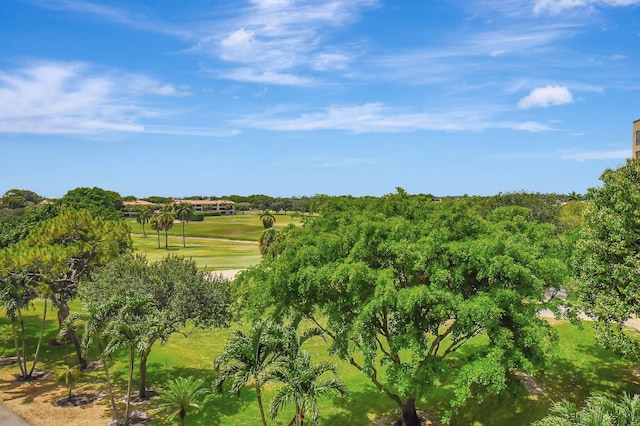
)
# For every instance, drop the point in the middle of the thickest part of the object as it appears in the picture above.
(379, 118)
(619, 154)
(282, 38)
(73, 98)
(558, 6)
(546, 96)
(137, 20)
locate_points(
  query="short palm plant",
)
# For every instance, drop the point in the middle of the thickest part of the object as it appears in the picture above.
(599, 410)
(179, 395)
(303, 385)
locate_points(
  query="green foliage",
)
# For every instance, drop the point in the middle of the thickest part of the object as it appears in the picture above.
(19, 199)
(302, 385)
(598, 411)
(100, 202)
(18, 228)
(179, 395)
(156, 199)
(606, 257)
(177, 295)
(404, 283)
(542, 207)
(60, 251)
(268, 220)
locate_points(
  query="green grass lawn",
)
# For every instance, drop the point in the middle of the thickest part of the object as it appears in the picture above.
(217, 243)
(209, 254)
(234, 227)
(581, 368)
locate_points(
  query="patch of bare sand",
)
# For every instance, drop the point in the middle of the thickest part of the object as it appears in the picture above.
(34, 401)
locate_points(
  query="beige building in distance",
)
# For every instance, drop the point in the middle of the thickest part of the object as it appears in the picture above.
(636, 139)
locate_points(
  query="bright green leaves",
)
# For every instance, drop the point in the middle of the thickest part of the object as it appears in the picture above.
(403, 282)
(607, 255)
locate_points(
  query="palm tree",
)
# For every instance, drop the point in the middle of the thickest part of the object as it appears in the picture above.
(267, 219)
(143, 217)
(248, 357)
(166, 222)
(599, 410)
(184, 211)
(303, 385)
(156, 225)
(179, 395)
(268, 237)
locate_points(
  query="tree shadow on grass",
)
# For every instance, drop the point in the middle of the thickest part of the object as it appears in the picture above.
(359, 408)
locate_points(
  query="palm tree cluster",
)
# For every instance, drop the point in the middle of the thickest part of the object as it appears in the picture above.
(599, 410)
(163, 222)
(271, 353)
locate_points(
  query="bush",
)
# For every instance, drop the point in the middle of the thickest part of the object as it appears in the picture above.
(196, 217)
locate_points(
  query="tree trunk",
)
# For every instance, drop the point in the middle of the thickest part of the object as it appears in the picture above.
(184, 242)
(127, 410)
(143, 231)
(35, 357)
(63, 313)
(158, 239)
(19, 354)
(182, 414)
(259, 395)
(166, 239)
(142, 390)
(114, 408)
(409, 414)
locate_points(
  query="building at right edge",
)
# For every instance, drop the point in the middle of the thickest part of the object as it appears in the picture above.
(636, 139)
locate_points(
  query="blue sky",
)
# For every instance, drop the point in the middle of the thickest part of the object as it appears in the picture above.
(291, 98)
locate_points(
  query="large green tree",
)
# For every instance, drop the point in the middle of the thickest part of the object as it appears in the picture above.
(60, 251)
(607, 257)
(100, 202)
(183, 298)
(403, 282)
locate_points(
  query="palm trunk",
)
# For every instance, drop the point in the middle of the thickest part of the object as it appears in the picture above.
(142, 390)
(184, 242)
(182, 414)
(106, 373)
(259, 395)
(127, 411)
(24, 349)
(19, 354)
(143, 231)
(35, 357)
(158, 239)
(166, 239)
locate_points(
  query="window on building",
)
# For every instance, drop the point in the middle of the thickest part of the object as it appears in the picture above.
(637, 137)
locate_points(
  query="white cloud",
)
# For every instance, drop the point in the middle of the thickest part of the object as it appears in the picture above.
(558, 6)
(266, 77)
(74, 99)
(378, 118)
(282, 37)
(620, 154)
(546, 96)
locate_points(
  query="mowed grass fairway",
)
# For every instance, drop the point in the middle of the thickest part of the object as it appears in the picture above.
(217, 243)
